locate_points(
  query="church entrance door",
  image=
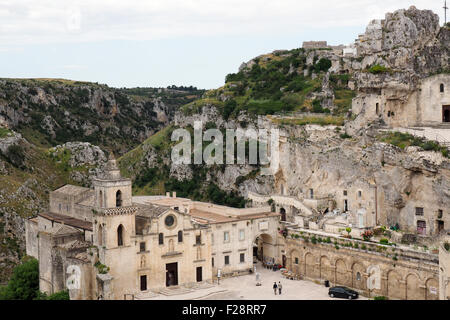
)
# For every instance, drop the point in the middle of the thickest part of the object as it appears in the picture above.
(171, 274)
(445, 113)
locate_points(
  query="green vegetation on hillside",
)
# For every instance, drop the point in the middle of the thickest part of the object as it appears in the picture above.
(4, 132)
(171, 95)
(377, 69)
(301, 121)
(55, 111)
(156, 180)
(403, 140)
(274, 83)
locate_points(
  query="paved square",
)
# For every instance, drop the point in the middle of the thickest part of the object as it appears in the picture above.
(244, 288)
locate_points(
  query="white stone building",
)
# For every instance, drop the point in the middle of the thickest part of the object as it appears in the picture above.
(106, 244)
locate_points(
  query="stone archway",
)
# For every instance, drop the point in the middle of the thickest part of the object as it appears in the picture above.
(358, 278)
(431, 289)
(394, 286)
(413, 291)
(310, 265)
(295, 261)
(341, 272)
(265, 247)
(100, 235)
(325, 269)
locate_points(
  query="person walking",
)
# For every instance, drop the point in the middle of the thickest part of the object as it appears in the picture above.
(279, 287)
(275, 288)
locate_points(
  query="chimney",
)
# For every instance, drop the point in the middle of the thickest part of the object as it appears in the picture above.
(174, 194)
(168, 194)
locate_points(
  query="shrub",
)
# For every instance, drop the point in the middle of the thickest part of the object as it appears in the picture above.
(228, 108)
(380, 298)
(102, 269)
(328, 240)
(16, 155)
(376, 69)
(447, 246)
(322, 65)
(384, 241)
(24, 283)
(61, 295)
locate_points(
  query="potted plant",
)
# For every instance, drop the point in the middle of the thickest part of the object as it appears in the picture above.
(367, 235)
(348, 230)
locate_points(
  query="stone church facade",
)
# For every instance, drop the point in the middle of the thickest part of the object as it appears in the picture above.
(102, 243)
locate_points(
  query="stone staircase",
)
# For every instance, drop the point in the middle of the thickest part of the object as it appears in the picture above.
(202, 285)
(145, 295)
(173, 291)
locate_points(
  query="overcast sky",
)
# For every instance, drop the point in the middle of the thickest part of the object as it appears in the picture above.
(163, 42)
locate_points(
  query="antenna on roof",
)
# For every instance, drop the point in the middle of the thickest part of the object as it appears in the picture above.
(445, 11)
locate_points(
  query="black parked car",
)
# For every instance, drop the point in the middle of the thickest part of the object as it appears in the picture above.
(342, 292)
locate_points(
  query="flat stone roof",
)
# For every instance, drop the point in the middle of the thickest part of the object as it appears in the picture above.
(69, 189)
(149, 210)
(211, 217)
(67, 220)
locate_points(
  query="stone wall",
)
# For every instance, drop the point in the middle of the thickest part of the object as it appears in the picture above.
(399, 274)
(444, 272)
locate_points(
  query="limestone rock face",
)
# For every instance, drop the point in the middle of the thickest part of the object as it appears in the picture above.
(82, 153)
(13, 138)
(410, 28)
(87, 160)
(74, 111)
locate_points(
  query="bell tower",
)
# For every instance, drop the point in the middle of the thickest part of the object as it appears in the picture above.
(114, 225)
(111, 190)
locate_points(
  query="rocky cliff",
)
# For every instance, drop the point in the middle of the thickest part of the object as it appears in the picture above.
(51, 111)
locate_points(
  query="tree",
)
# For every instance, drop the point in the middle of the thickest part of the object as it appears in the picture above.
(24, 283)
(348, 230)
(323, 65)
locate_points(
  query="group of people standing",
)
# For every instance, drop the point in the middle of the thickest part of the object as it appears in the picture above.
(277, 286)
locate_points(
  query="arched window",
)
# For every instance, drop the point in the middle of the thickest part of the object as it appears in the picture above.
(100, 235)
(119, 198)
(101, 199)
(441, 87)
(161, 238)
(180, 236)
(120, 235)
